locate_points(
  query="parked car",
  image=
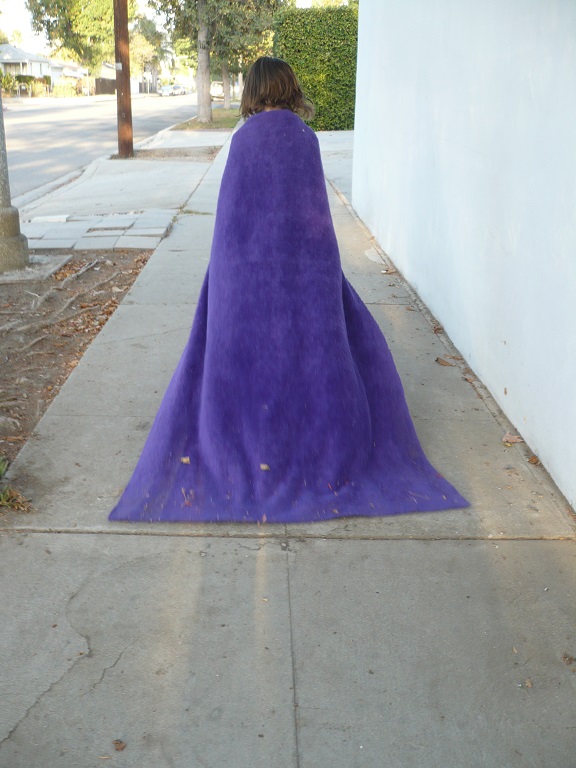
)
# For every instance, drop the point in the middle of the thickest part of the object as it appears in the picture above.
(167, 90)
(178, 90)
(217, 90)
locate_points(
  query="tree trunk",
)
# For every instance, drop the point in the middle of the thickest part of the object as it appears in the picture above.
(203, 71)
(226, 85)
(240, 84)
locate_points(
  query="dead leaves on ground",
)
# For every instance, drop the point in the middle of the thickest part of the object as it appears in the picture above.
(46, 325)
(446, 362)
(11, 499)
(119, 746)
(510, 439)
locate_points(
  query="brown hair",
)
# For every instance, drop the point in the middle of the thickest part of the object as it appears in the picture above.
(271, 82)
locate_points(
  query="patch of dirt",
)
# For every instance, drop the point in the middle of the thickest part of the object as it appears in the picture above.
(45, 328)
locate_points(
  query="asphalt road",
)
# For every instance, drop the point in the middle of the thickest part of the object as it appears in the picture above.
(49, 138)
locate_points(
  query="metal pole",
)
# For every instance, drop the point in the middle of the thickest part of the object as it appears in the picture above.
(123, 99)
(13, 244)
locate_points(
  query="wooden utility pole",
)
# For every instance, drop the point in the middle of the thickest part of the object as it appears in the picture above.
(123, 98)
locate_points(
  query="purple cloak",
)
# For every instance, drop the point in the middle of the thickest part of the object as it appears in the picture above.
(286, 405)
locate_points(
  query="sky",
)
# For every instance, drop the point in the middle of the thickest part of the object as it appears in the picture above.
(16, 17)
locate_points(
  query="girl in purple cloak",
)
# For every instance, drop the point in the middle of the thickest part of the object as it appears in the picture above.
(286, 405)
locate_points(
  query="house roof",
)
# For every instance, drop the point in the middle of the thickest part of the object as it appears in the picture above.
(11, 54)
(69, 67)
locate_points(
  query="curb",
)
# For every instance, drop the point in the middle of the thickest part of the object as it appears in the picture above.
(33, 199)
(25, 201)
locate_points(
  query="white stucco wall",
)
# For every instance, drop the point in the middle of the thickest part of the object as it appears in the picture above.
(465, 171)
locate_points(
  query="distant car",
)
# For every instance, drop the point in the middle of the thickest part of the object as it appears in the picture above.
(167, 90)
(178, 90)
(217, 90)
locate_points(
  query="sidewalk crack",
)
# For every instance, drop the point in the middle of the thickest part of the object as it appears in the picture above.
(293, 659)
(38, 699)
(107, 669)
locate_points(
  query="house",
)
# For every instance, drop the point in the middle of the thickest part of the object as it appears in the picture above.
(14, 61)
(67, 71)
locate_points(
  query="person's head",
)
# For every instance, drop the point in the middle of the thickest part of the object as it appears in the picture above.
(271, 83)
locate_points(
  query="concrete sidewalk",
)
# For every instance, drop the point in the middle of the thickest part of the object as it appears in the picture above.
(437, 640)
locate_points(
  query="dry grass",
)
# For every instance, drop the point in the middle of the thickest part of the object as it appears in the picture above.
(11, 499)
(222, 119)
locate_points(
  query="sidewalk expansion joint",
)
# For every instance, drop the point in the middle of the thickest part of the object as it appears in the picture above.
(293, 664)
(272, 536)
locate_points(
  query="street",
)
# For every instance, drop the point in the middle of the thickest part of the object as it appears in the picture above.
(48, 138)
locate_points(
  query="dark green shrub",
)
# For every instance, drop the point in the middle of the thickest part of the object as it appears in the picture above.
(320, 44)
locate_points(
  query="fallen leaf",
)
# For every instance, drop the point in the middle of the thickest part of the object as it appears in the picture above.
(534, 460)
(185, 459)
(568, 659)
(509, 439)
(470, 379)
(528, 683)
(438, 328)
(265, 467)
(119, 745)
(441, 361)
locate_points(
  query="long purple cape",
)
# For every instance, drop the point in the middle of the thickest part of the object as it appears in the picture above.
(286, 405)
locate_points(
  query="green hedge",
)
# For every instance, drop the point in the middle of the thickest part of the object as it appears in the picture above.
(320, 44)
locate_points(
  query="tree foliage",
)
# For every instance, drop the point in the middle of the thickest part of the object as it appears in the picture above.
(229, 30)
(142, 53)
(147, 49)
(235, 27)
(244, 31)
(84, 28)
